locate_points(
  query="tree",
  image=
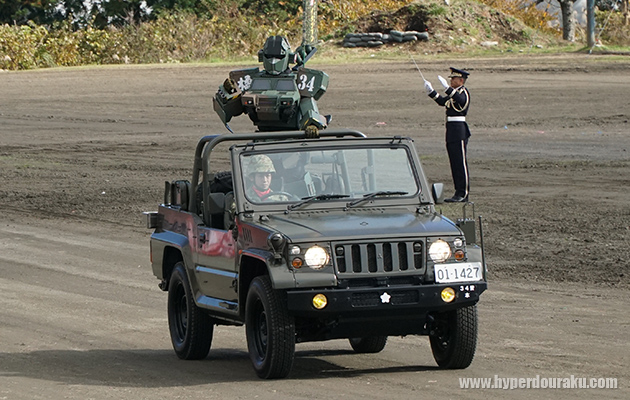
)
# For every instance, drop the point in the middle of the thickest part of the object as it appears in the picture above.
(122, 12)
(568, 19)
(21, 11)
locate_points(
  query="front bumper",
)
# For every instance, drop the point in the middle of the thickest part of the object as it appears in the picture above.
(375, 302)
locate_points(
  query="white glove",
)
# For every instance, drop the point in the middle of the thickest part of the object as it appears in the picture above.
(428, 87)
(443, 82)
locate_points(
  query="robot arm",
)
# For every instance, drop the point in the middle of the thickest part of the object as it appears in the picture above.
(303, 54)
(227, 101)
(309, 114)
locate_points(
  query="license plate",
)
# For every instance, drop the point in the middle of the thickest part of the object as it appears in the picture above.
(461, 272)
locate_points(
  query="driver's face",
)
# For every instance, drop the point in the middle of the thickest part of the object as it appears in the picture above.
(262, 180)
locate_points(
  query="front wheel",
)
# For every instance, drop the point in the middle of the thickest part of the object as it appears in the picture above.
(191, 328)
(270, 330)
(453, 338)
(370, 344)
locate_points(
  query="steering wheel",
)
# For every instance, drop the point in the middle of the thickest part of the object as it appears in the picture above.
(289, 196)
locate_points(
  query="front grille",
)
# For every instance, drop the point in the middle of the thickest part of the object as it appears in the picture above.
(365, 299)
(372, 299)
(406, 297)
(266, 102)
(379, 258)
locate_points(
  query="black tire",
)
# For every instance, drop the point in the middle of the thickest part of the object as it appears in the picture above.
(454, 338)
(371, 344)
(270, 330)
(191, 328)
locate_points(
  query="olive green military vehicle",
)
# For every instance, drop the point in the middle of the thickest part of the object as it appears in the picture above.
(311, 240)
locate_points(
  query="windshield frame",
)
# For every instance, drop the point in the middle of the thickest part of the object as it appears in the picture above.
(420, 196)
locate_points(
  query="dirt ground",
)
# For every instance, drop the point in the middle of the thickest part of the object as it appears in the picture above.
(84, 151)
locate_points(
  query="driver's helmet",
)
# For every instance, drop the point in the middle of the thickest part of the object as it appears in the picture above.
(260, 163)
(275, 54)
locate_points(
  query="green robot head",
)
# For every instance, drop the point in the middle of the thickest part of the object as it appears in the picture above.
(275, 55)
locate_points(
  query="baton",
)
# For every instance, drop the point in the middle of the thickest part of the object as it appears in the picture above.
(418, 68)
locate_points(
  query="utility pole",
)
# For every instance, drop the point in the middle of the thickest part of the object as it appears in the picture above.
(590, 23)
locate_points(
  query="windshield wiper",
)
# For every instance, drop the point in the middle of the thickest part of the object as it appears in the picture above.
(373, 195)
(309, 199)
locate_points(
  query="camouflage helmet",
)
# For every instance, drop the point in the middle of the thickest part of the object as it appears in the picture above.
(276, 54)
(260, 163)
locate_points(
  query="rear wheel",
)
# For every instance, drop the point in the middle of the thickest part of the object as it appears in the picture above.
(190, 327)
(371, 344)
(270, 330)
(454, 338)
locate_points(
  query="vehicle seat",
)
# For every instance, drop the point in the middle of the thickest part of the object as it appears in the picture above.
(215, 209)
(334, 185)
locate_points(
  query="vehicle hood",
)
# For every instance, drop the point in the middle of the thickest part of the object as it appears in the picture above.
(349, 225)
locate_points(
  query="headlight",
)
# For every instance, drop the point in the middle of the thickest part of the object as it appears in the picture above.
(439, 251)
(316, 257)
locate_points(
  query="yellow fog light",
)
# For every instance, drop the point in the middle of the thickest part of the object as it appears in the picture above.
(448, 294)
(459, 255)
(319, 301)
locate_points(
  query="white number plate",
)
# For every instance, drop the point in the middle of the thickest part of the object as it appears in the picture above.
(461, 272)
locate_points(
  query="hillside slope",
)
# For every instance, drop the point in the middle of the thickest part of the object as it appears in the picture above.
(455, 27)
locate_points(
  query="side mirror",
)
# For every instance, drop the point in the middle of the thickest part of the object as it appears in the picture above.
(438, 192)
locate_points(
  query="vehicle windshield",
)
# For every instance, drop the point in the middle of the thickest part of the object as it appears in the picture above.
(338, 174)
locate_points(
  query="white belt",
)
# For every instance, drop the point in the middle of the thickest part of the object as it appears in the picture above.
(456, 119)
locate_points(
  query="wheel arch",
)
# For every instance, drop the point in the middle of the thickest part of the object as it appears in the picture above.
(255, 262)
(250, 268)
(172, 255)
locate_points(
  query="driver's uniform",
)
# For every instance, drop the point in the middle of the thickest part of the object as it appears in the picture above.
(255, 194)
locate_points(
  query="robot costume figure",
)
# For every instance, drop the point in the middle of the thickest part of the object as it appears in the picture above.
(278, 97)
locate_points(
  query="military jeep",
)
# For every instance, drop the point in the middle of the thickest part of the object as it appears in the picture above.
(345, 243)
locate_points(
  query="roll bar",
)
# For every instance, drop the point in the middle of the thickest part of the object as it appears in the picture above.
(208, 143)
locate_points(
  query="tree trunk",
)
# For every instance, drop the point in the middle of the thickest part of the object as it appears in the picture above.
(625, 12)
(568, 20)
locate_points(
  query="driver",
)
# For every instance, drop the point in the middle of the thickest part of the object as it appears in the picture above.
(260, 171)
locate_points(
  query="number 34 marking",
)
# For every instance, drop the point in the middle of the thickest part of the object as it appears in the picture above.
(305, 83)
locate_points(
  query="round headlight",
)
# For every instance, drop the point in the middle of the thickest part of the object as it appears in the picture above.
(316, 257)
(458, 242)
(439, 251)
